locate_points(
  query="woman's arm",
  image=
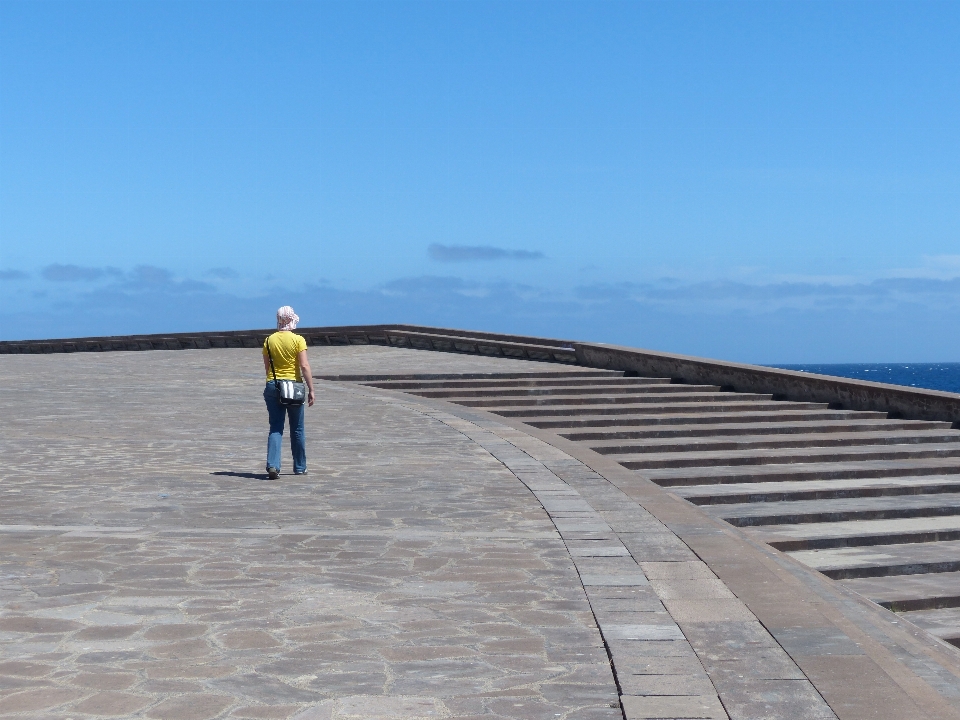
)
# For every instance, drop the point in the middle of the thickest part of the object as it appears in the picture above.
(306, 374)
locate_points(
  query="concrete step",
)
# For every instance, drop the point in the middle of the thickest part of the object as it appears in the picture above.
(375, 377)
(838, 510)
(857, 533)
(694, 408)
(673, 477)
(794, 440)
(818, 490)
(883, 560)
(600, 382)
(607, 399)
(455, 394)
(904, 593)
(779, 412)
(756, 428)
(943, 623)
(787, 456)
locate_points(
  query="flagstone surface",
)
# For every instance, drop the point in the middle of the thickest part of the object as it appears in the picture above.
(438, 561)
(148, 569)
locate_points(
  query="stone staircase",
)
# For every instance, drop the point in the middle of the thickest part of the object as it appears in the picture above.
(870, 501)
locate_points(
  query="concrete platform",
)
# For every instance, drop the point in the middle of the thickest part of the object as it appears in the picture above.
(437, 562)
(839, 509)
(857, 533)
(884, 560)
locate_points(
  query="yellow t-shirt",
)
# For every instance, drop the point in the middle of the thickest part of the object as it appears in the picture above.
(284, 346)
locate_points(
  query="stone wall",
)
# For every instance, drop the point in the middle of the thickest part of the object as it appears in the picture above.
(404, 336)
(783, 384)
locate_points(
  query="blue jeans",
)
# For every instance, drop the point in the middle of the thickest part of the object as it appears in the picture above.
(298, 445)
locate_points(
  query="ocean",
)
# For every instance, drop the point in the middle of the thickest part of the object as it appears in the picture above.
(933, 376)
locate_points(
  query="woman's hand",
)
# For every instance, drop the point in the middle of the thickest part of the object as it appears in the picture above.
(307, 374)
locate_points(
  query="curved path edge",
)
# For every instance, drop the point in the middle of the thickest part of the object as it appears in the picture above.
(866, 661)
(786, 642)
(658, 606)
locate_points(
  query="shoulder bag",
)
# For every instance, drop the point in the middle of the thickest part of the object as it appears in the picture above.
(291, 392)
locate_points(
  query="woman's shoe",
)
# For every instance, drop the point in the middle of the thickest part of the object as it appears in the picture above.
(273, 473)
(302, 472)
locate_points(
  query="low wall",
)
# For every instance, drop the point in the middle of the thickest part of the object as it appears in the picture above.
(404, 336)
(896, 400)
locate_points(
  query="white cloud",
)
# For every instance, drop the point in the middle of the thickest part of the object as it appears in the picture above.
(940, 267)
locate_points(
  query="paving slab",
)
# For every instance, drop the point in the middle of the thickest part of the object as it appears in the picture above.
(854, 533)
(884, 560)
(910, 592)
(944, 622)
(657, 707)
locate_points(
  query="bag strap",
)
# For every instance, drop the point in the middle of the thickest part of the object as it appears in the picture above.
(270, 355)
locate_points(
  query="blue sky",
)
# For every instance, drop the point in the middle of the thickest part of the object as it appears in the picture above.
(766, 182)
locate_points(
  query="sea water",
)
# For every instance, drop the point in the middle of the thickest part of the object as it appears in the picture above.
(933, 376)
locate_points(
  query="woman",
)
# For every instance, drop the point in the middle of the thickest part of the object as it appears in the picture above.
(289, 353)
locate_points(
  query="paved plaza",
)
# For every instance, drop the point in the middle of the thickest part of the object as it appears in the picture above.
(149, 569)
(434, 563)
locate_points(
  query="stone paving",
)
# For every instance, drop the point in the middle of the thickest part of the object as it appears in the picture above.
(435, 563)
(682, 645)
(865, 499)
(149, 571)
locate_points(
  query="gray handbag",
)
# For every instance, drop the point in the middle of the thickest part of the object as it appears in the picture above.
(291, 392)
